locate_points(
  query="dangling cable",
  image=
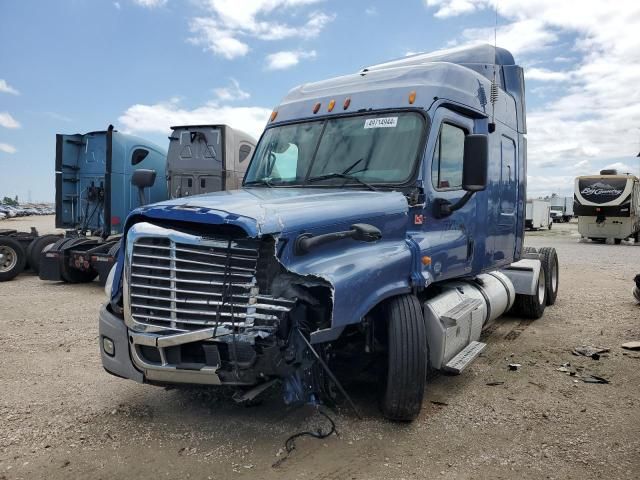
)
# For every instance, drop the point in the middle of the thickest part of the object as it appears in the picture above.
(290, 446)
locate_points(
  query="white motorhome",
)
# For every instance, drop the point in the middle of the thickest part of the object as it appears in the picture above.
(538, 215)
(608, 206)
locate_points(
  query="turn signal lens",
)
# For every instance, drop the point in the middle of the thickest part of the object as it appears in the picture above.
(316, 107)
(274, 114)
(426, 260)
(332, 104)
(412, 97)
(347, 102)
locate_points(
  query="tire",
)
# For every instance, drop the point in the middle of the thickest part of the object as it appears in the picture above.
(113, 251)
(532, 306)
(406, 359)
(528, 250)
(549, 259)
(617, 241)
(13, 258)
(35, 250)
(550, 225)
(70, 274)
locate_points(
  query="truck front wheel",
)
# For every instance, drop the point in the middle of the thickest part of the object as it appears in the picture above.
(406, 359)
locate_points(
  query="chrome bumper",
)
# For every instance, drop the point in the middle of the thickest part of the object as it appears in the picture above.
(127, 362)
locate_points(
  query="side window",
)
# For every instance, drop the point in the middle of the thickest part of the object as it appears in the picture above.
(446, 169)
(138, 155)
(244, 152)
(285, 163)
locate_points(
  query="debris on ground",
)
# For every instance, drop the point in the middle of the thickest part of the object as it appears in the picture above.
(589, 351)
(437, 402)
(514, 366)
(593, 379)
(494, 384)
(631, 345)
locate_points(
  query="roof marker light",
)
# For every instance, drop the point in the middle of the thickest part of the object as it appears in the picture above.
(412, 97)
(316, 107)
(347, 102)
(273, 116)
(332, 104)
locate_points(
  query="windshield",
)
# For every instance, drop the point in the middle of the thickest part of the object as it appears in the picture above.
(357, 150)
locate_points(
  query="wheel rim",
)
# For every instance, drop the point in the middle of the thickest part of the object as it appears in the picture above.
(554, 275)
(8, 258)
(541, 287)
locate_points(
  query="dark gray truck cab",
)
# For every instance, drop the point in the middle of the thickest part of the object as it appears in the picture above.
(207, 158)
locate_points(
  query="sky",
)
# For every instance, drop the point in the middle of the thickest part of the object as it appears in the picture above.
(73, 66)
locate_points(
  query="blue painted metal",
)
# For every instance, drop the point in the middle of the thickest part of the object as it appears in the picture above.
(485, 234)
(93, 179)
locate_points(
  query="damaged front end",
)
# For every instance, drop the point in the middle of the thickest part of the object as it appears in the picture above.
(218, 308)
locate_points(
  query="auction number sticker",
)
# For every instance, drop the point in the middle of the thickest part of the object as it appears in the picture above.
(386, 122)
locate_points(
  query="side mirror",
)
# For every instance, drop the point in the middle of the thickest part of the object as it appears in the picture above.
(475, 162)
(143, 178)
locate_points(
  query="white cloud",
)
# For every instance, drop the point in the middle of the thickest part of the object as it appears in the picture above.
(6, 88)
(160, 116)
(287, 59)
(595, 115)
(6, 148)
(231, 23)
(231, 93)
(371, 11)
(150, 3)
(7, 121)
(117, 5)
(452, 8)
(545, 75)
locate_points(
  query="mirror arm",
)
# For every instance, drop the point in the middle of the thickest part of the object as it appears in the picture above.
(444, 208)
(360, 232)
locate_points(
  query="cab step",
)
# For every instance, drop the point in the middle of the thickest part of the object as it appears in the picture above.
(463, 359)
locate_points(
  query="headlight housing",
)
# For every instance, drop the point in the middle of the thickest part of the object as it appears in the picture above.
(109, 283)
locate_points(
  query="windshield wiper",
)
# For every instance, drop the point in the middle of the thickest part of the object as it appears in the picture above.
(262, 181)
(342, 175)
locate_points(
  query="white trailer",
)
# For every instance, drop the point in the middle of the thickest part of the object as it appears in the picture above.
(608, 206)
(538, 215)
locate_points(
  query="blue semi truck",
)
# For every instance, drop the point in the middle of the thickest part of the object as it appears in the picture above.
(380, 221)
(102, 176)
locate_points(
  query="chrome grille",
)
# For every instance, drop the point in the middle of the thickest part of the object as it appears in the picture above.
(184, 282)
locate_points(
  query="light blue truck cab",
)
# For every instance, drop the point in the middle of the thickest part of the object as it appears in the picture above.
(94, 192)
(381, 218)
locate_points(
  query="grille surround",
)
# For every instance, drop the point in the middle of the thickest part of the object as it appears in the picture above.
(179, 282)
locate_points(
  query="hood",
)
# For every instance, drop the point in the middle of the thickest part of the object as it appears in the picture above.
(275, 210)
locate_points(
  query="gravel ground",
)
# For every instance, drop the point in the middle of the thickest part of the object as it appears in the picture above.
(62, 416)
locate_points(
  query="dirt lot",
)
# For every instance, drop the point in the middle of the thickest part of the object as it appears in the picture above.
(62, 416)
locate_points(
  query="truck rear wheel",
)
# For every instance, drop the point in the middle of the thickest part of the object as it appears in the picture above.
(532, 306)
(13, 258)
(406, 359)
(36, 247)
(549, 259)
(72, 275)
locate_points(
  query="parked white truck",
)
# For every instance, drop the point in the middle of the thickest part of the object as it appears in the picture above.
(608, 206)
(561, 208)
(538, 215)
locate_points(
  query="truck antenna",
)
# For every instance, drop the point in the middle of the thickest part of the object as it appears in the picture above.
(494, 86)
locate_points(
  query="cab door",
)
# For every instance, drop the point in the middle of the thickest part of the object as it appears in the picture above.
(451, 239)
